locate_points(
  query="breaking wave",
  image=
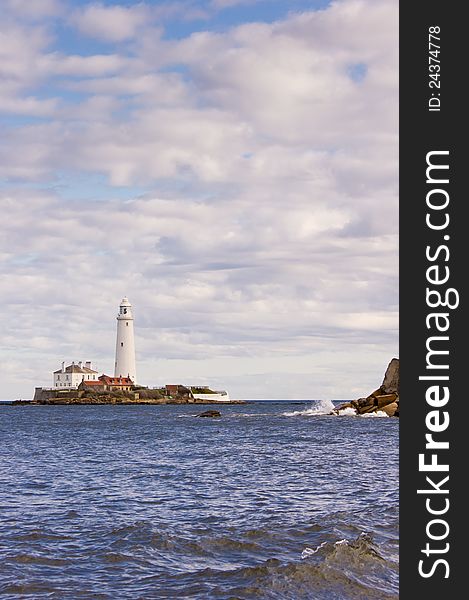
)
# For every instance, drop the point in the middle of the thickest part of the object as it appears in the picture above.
(319, 407)
(326, 407)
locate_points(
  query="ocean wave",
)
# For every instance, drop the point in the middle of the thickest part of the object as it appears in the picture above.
(323, 574)
(34, 559)
(319, 407)
(362, 545)
(256, 563)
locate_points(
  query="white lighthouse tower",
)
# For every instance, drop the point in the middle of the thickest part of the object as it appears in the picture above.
(125, 345)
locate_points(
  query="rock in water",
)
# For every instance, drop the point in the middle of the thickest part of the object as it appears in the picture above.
(210, 413)
(385, 398)
(391, 409)
(390, 383)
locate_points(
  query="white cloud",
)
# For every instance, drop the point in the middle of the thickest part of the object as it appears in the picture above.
(20, 46)
(113, 23)
(81, 66)
(33, 9)
(28, 106)
(221, 4)
(153, 88)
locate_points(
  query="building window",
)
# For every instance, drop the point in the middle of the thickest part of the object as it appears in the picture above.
(126, 323)
(66, 377)
(58, 377)
(122, 344)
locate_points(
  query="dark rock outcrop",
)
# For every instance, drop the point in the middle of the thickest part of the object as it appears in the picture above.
(385, 398)
(390, 383)
(210, 413)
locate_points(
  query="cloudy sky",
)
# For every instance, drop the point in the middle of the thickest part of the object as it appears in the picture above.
(230, 165)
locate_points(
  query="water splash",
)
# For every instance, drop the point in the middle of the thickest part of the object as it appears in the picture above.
(319, 407)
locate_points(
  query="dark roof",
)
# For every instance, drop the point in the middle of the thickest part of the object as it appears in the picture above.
(75, 369)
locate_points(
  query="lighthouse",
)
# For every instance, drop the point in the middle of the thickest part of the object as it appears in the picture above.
(125, 345)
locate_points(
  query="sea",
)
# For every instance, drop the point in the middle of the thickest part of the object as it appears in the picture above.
(274, 500)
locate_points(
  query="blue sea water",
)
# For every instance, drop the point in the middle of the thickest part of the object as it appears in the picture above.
(274, 500)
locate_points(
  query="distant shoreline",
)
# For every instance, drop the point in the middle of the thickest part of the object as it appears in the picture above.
(21, 402)
(114, 402)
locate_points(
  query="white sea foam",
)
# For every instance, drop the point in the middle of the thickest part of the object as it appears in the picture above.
(309, 551)
(319, 407)
(343, 542)
(378, 413)
(347, 412)
(251, 415)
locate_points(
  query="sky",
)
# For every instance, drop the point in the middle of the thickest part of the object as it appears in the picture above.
(229, 165)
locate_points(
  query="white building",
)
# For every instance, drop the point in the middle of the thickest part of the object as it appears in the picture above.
(218, 395)
(70, 377)
(125, 344)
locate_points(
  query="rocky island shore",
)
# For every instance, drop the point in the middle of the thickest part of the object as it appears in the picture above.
(385, 398)
(136, 396)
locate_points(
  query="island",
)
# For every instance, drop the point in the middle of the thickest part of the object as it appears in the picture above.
(117, 390)
(80, 383)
